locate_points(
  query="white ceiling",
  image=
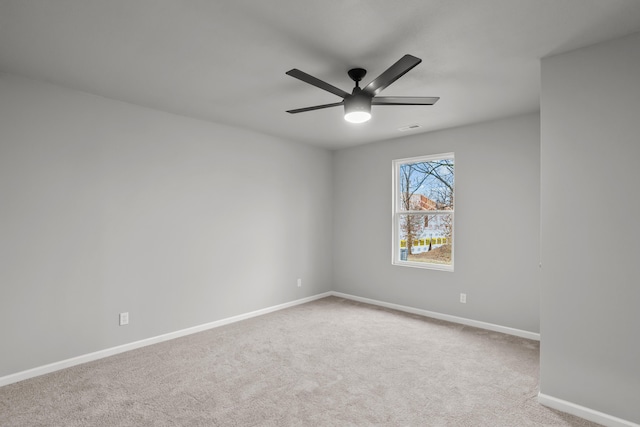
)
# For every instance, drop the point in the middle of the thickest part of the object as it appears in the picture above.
(225, 60)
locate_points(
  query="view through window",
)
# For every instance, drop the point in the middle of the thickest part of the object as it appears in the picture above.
(423, 211)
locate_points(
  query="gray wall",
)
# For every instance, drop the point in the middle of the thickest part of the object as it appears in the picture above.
(109, 207)
(590, 205)
(496, 224)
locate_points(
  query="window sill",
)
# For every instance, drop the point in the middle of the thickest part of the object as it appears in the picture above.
(423, 265)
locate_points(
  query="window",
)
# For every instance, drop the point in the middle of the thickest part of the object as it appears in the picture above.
(423, 189)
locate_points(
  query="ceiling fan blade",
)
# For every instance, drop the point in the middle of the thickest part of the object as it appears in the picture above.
(404, 100)
(392, 74)
(301, 75)
(316, 107)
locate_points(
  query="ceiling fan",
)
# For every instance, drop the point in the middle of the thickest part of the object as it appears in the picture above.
(357, 104)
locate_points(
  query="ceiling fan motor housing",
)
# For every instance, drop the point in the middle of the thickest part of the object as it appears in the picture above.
(357, 107)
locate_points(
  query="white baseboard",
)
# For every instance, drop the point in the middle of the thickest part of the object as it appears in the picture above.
(543, 399)
(455, 319)
(56, 366)
(583, 412)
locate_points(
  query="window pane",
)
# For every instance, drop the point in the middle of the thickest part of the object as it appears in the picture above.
(426, 185)
(426, 238)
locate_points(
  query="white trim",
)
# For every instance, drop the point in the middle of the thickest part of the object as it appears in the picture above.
(584, 412)
(56, 366)
(549, 401)
(455, 319)
(426, 265)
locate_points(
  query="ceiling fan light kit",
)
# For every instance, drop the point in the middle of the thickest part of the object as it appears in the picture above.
(357, 104)
(357, 109)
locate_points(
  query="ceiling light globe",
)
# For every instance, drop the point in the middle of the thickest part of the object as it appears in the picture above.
(357, 116)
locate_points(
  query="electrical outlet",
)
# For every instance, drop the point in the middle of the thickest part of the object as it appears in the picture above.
(463, 298)
(299, 283)
(124, 318)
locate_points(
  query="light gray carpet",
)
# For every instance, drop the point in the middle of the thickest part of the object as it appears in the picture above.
(331, 362)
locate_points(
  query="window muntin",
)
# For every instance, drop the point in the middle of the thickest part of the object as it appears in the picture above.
(423, 211)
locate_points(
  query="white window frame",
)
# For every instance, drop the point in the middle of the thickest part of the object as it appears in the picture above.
(397, 212)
